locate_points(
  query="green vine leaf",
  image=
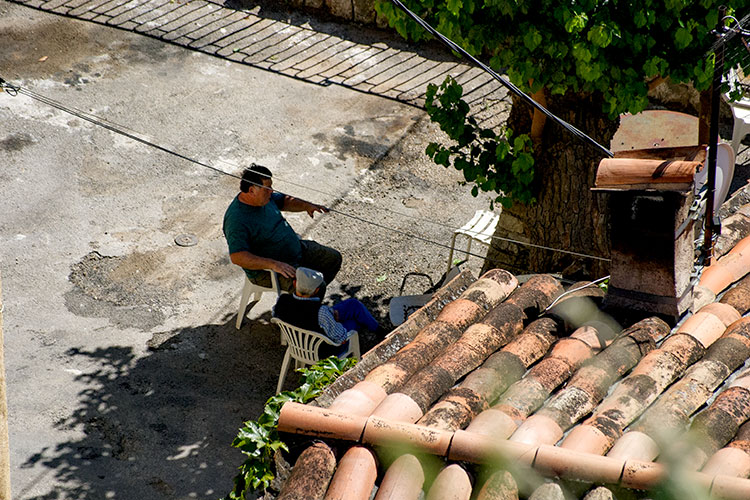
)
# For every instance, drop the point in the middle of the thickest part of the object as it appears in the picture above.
(493, 162)
(259, 440)
(579, 47)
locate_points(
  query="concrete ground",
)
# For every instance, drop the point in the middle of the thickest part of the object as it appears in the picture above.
(126, 376)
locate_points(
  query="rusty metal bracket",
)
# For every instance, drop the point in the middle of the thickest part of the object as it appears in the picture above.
(696, 211)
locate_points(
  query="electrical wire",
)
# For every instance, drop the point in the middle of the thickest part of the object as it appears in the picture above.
(526, 98)
(592, 283)
(14, 90)
(727, 37)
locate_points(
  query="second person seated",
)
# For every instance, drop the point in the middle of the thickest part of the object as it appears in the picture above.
(305, 309)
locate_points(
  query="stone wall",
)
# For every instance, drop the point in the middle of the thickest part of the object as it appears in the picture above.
(359, 11)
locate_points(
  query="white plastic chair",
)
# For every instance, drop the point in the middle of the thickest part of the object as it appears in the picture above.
(740, 111)
(480, 228)
(725, 159)
(303, 347)
(256, 291)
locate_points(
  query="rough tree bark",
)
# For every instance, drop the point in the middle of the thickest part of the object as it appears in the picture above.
(566, 215)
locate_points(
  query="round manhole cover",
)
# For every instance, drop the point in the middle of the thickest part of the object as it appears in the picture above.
(186, 240)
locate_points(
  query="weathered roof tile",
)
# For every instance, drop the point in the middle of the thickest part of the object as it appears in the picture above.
(355, 475)
(624, 398)
(403, 480)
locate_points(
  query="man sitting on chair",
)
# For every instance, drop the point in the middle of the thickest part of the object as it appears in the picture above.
(304, 309)
(259, 237)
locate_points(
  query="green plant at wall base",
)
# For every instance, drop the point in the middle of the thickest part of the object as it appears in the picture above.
(259, 439)
(494, 162)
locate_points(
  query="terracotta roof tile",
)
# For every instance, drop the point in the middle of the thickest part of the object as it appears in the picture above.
(480, 296)
(355, 475)
(728, 269)
(361, 399)
(398, 407)
(486, 383)
(536, 294)
(379, 431)
(540, 428)
(729, 461)
(499, 486)
(403, 480)
(314, 421)
(493, 422)
(477, 343)
(637, 445)
(399, 337)
(715, 426)
(709, 323)
(655, 174)
(455, 410)
(451, 484)
(311, 475)
(625, 399)
(685, 347)
(729, 487)
(738, 296)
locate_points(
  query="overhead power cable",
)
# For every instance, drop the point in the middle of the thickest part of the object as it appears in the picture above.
(738, 28)
(118, 129)
(507, 84)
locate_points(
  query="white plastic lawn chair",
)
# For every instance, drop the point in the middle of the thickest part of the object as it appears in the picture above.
(303, 347)
(725, 158)
(256, 291)
(480, 228)
(740, 111)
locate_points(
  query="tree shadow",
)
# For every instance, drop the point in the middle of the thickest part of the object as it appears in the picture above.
(160, 426)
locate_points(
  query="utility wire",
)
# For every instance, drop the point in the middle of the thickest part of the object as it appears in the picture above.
(736, 29)
(526, 98)
(14, 90)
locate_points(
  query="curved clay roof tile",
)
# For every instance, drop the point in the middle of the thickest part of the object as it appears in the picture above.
(685, 347)
(361, 399)
(635, 445)
(398, 407)
(728, 462)
(403, 480)
(738, 296)
(499, 486)
(311, 474)
(633, 173)
(355, 476)
(452, 483)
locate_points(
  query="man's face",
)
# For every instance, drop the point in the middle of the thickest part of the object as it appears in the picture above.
(262, 195)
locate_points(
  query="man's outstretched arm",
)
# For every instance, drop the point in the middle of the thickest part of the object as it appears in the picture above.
(292, 204)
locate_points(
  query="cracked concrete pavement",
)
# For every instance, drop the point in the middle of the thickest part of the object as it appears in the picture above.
(126, 377)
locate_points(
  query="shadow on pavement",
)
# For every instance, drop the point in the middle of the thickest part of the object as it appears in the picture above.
(160, 426)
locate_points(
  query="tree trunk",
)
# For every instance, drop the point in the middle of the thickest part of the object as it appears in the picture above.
(567, 215)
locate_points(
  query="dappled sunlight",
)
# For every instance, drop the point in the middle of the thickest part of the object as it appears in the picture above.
(152, 426)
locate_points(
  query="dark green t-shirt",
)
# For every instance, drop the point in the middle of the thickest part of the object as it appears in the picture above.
(262, 231)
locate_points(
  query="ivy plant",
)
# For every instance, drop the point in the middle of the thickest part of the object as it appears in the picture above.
(501, 163)
(259, 439)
